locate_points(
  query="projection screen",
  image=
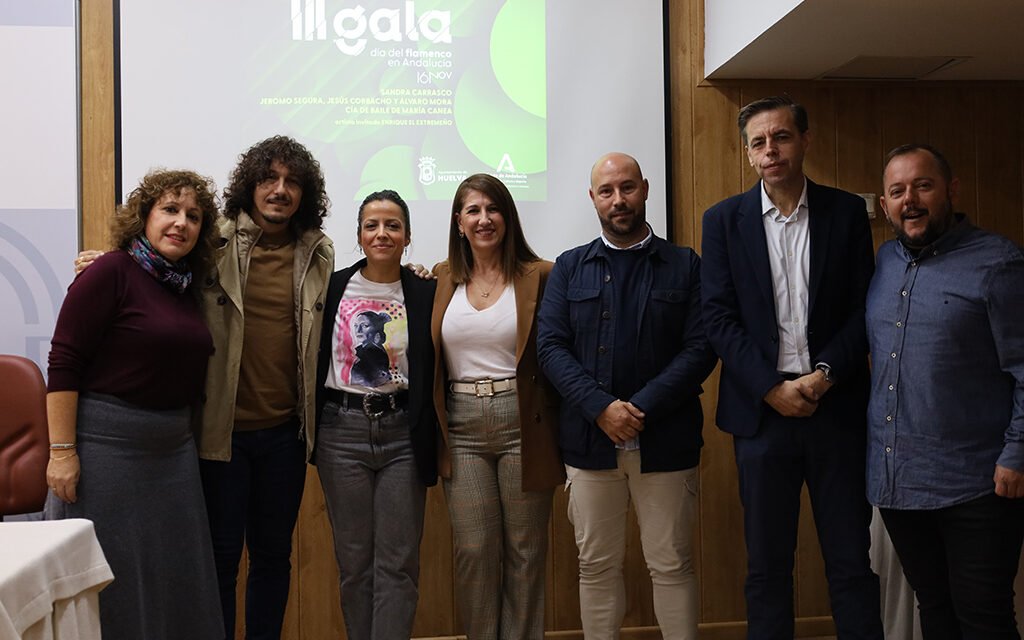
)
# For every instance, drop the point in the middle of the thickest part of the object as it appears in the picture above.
(412, 95)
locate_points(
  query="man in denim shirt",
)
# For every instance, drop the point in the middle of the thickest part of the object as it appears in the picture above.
(619, 334)
(945, 317)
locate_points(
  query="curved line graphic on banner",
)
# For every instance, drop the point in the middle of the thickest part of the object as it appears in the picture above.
(42, 266)
(29, 309)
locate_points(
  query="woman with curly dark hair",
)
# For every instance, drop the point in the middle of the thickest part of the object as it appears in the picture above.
(127, 366)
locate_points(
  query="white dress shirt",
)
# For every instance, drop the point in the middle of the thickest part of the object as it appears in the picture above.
(789, 252)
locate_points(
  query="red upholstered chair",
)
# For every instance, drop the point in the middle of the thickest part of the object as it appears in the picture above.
(24, 440)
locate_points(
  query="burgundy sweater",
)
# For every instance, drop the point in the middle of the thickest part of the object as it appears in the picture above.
(123, 333)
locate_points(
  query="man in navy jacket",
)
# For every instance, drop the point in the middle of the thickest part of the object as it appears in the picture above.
(620, 336)
(786, 270)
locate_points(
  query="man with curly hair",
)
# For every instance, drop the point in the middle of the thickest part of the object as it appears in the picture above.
(264, 306)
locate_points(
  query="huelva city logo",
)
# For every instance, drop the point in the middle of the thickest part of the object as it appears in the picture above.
(351, 24)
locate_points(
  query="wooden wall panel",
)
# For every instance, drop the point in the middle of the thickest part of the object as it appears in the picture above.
(952, 129)
(859, 150)
(680, 140)
(820, 161)
(722, 553)
(436, 613)
(998, 122)
(314, 571)
(96, 73)
(979, 127)
(565, 595)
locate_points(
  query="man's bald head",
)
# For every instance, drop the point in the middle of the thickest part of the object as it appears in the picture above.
(617, 160)
(619, 193)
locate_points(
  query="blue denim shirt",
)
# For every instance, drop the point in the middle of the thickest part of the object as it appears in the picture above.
(946, 330)
(576, 329)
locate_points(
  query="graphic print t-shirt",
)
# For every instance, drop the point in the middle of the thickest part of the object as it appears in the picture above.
(370, 338)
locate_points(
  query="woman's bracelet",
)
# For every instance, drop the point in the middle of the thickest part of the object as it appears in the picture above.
(64, 457)
(61, 446)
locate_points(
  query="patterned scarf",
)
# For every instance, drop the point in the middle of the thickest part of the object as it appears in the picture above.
(176, 275)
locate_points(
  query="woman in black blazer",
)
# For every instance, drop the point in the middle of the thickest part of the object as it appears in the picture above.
(376, 447)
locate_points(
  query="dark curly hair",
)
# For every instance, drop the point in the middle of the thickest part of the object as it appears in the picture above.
(515, 251)
(129, 220)
(254, 165)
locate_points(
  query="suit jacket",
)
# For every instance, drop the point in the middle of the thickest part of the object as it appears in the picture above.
(419, 300)
(538, 400)
(739, 304)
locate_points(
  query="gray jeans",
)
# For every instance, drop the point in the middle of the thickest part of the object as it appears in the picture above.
(375, 501)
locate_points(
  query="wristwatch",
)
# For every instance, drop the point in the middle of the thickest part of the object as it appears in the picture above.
(827, 370)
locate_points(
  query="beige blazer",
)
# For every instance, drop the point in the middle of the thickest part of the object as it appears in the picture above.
(538, 400)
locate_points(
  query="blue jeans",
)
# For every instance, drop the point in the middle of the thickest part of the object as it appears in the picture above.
(254, 499)
(961, 562)
(375, 500)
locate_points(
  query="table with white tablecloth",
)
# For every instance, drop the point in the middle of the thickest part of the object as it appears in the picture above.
(51, 574)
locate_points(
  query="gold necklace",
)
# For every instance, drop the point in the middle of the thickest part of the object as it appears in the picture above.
(487, 294)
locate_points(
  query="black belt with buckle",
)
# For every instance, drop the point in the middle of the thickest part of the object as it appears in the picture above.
(374, 405)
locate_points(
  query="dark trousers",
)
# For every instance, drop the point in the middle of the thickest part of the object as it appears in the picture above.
(254, 499)
(961, 562)
(773, 466)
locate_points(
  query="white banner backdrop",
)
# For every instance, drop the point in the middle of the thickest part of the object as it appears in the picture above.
(38, 170)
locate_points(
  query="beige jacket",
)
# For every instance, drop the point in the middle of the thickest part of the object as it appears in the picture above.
(222, 306)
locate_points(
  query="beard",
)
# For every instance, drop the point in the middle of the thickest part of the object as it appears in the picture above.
(275, 217)
(939, 222)
(623, 227)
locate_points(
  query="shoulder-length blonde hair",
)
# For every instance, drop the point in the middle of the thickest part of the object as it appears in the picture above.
(515, 251)
(129, 220)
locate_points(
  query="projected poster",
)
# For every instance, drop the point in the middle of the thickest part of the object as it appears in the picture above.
(411, 96)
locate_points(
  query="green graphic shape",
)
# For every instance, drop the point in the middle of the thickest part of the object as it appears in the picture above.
(389, 168)
(491, 124)
(518, 54)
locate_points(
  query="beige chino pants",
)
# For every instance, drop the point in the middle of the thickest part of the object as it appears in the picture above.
(665, 504)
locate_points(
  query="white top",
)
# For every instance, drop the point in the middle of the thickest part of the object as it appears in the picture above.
(42, 564)
(370, 338)
(480, 345)
(789, 252)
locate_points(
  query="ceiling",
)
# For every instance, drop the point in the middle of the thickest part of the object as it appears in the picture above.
(933, 40)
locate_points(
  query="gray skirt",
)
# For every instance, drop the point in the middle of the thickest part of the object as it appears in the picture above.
(140, 487)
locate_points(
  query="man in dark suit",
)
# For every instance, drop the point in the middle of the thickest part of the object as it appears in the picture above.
(785, 273)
